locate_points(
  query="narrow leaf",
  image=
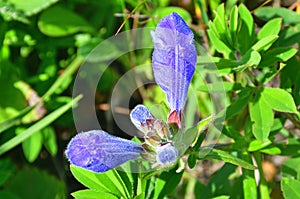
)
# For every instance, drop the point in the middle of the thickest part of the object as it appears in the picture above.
(37, 126)
(246, 34)
(15, 120)
(234, 22)
(265, 43)
(256, 145)
(93, 194)
(226, 157)
(218, 44)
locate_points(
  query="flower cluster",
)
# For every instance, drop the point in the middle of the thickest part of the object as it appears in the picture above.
(173, 61)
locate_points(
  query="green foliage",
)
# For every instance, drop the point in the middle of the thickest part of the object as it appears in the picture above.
(109, 182)
(254, 61)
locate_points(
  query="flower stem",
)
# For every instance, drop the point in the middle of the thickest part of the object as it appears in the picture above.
(263, 187)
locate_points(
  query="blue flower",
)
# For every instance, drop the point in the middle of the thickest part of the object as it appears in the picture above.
(173, 61)
(99, 151)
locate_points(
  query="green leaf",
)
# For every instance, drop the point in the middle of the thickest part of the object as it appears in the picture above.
(249, 59)
(290, 188)
(234, 134)
(17, 100)
(265, 43)
(58, 21)
(268, 13)
(290, 149)
(93, 194)
(221, 28)
(189, 138)
(270, 28)
(279, 100)
(262, 118)
(37, 126)
(202, 7)
(226, 157)
(292, 82)
(219, 183)
(240, 103)
(49, 140)
(10, 12)
(221, 197)
(256, 145)
(268, 73)
(276, 55)
(166, 183)
(291, 168)
(33, 6)
(127, 180)
(109, 181)
(32, 146)
(224, 66)
(246, 34)
(234, 22)
(15, 120)
(41, 185)
(271, 150)
(192, 160)
(289, 36)
(218, 44)
(220, 87)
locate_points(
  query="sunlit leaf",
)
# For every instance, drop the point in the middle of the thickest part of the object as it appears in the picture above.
(262, 118)
(290, 188)
(279, 100)
(109, 181)
(33, 6)
(226, 157)
(93, 194)
(270, 28)
(58, 21)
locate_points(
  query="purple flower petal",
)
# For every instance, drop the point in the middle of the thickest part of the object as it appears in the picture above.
(99, 151)
(139, 115)
(166, 154)
(174, 58)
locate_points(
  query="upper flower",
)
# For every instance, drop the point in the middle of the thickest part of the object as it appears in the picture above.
(173, 60)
